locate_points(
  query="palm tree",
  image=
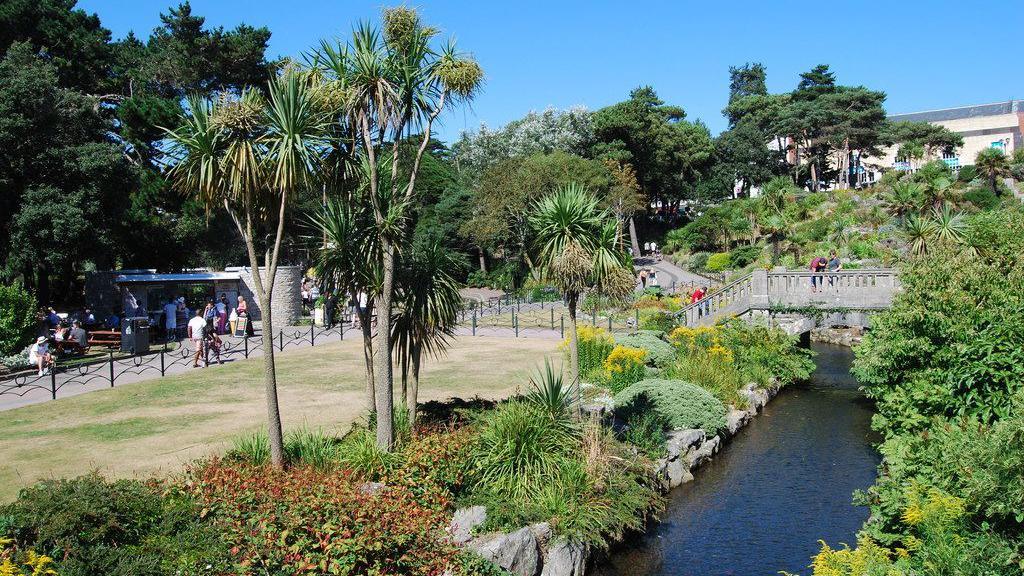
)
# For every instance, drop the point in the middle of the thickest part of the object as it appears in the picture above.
(578, 250)
(773, 211)
(939, 190)
(911, 151)
(251, 156)
(391, 86)
(347, 263)
(427, 302)
(992, 162)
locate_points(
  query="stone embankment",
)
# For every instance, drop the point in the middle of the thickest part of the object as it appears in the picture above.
(534, 551)
(848, 337)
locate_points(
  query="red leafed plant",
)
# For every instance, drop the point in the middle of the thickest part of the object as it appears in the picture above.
(303, 520)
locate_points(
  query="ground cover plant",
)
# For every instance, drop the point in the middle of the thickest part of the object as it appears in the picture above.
(682, 404)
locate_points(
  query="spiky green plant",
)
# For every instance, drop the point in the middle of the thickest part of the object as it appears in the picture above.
(548, 389)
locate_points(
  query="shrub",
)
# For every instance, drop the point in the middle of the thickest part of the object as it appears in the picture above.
(982, 197)
(598, 491)
(657, 320)
(967, 173)
(659, 352)
(745, 255)
(646, 431)
(624, 366)
(549, 390)
(303, 520)
(718, 262)
(521, 448)
(17, 319)
(713, 370)
(594, 344)
(699, 260)
(117, 528)
(301, 446)
(683, 405)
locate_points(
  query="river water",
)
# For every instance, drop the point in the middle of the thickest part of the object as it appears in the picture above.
(783, 483)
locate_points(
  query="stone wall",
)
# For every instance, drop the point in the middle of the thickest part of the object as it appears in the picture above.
(286, 301)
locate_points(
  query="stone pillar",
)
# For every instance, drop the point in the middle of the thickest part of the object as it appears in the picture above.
(286, 301)
(759, 289)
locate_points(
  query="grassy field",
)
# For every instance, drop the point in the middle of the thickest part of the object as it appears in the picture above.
(155, 427)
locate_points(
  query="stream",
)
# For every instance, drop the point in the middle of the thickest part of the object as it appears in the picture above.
(783, 483)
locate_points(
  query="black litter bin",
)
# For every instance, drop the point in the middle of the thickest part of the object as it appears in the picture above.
(135, 335)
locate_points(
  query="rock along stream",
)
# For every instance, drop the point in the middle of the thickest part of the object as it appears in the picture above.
(783, 483)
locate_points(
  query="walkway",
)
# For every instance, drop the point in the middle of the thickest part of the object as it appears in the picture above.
(672, 277)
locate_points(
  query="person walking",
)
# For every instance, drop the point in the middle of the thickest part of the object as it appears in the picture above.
(222, 313)
(196, 333)
(171, 320)
(834, 265)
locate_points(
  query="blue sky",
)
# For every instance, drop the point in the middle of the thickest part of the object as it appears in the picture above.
(923, 54)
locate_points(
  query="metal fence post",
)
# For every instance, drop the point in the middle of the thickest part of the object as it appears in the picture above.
(499, 305)
(552, 318)
(609, 322)
(519, 303)
(515, 323)
(245, 338)
(111, 368)
(562, 321)
(162, 369)
(312, 339)
(53, 383)
(280, 340)
(474, 322)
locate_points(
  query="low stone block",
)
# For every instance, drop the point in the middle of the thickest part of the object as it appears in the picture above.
(677, 442)
(464, 521)
(704, 453)
(516, 552)
(675, 471)
(736, 419)
(565, 558)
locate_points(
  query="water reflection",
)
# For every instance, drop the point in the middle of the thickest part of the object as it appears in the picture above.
(782, 484)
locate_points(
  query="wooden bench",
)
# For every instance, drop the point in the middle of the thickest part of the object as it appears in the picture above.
(107, 338)
(70, 347)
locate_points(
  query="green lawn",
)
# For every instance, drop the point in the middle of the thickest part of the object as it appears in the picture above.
(156, 427)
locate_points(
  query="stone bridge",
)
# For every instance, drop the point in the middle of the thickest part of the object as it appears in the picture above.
(845, 297)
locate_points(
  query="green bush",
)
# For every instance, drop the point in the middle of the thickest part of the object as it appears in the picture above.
(659, 352)
(745, 255)
(967, 174)
(683, 405)
(646, 431)
(17, 319)
(91, 526)
(658, 320)
(719, 262)
(982, 197)
(699, 260)
(593, 344)
(521, 448)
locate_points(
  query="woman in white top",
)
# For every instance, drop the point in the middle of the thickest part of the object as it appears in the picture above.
(39, 354)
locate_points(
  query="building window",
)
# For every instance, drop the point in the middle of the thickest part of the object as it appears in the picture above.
(999, 145)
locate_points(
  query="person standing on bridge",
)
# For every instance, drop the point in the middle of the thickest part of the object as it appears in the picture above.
(697, 296)
(817, 266)
(834, 265)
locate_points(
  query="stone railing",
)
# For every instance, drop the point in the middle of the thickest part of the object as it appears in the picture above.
(865, 289)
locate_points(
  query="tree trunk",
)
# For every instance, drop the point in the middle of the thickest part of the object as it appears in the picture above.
(574, 352)
(483, 259)
(383, 377)
(633, 239)
(412, 395)
(274, 433)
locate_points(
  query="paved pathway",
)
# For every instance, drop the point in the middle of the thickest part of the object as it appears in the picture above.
(669, 273)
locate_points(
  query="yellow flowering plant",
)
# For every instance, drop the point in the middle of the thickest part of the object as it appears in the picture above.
(624, 366)
(28, 563)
